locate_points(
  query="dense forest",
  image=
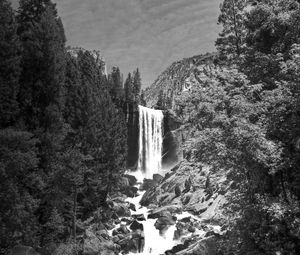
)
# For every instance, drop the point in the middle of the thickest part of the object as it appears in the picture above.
(245, 120)
(64, 137)
(63, 131)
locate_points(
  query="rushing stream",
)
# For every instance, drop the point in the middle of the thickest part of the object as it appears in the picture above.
(154, 242)
(149, 163)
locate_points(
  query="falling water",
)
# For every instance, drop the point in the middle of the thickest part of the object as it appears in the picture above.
(150, 141)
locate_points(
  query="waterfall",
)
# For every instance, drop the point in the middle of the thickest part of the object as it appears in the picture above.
(150, 141)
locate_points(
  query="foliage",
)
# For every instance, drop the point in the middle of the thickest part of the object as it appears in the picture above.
(63, 134)
(9, 65)
(20, 183)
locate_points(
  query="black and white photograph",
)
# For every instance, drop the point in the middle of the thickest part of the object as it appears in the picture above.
(149, 127)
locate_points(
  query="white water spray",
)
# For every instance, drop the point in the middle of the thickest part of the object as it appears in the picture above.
(150, 141)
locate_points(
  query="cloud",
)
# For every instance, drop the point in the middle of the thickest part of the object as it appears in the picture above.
(149, 34)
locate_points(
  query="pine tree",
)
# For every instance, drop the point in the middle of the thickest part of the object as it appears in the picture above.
(137, 84)
(9, 65)
(20, 184)
(117, 92)
(128, 87)
(230, 43)
(43, 62)
(143, 101)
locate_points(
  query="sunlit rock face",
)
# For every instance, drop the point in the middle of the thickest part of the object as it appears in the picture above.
(150, 141)
(178, 78)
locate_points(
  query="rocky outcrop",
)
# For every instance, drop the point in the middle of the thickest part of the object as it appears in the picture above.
(202, 192)
(178, 78)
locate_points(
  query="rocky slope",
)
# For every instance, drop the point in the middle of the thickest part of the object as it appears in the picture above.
(179, 77)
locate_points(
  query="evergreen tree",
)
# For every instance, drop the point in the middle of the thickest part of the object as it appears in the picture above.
(143, 101)
(43, 62)
(9, 65)
(230, 43)
(128, 86)
(117, 92)
(137, 84)
(20, 184)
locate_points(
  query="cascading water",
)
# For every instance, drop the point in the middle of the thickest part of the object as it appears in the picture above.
(150, 141)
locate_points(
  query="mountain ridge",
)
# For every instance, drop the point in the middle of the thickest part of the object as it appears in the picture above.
(180, 76)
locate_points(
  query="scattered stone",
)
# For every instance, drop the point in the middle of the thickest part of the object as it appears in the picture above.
(139, 217)
(132, 207)
(147, 184)
(136, 225)
(131, 179)
(157, 178)
(164, 222)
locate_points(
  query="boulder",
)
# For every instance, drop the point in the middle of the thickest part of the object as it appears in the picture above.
(164, 222)
(128, 221)
(122, 230)
(165, 211)
(135, 225)
(147, 184)
(177, 248)
(131, 179)
(129, 191)
(157, 178)
(121, 209)
(131, 207)
(139, 217)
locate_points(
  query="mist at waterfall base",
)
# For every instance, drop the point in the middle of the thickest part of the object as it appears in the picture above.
(149, 163)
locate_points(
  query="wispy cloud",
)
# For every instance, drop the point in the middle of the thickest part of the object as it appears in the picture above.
(149, 34)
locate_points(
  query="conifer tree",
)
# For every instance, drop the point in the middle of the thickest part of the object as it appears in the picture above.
(117, 92)
(143, 101)
(128, 87)
(9, 65)
(230, 43)
(137, 84)
(43, 62)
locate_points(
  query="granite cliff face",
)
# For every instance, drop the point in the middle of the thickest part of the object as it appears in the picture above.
(178, 78)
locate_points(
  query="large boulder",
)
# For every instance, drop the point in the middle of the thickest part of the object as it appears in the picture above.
(131, 179)
(95, 245)
(157, 178)
(135, 225)
(165, 221)
(139, 217)
(165, 211)
(185, 187)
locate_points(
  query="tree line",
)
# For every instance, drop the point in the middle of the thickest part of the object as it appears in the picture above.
(63, 136)
(245, 121)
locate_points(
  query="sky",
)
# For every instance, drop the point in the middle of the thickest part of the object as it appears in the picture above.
(148, 34)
